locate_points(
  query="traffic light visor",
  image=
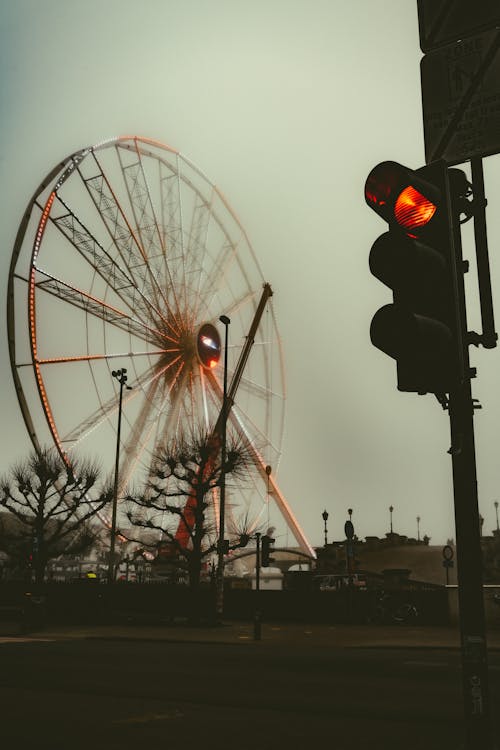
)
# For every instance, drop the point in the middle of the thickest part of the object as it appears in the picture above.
(398, 195)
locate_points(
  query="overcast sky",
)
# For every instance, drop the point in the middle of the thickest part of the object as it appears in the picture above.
(286, 105)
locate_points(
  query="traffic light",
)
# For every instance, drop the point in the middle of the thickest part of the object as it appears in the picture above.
(267, 549)
(419, 258)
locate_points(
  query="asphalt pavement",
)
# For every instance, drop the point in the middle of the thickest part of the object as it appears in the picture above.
(338, 636)
(135, 683)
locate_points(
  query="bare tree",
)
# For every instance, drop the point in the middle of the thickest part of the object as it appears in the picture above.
(50, 507)
(177, 501)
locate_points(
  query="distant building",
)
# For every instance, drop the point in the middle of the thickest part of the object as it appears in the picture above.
(491, 557)
(397, 557)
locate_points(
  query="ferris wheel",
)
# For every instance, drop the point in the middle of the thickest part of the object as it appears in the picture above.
(127, 257)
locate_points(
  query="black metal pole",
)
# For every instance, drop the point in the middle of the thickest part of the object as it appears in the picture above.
(324, 515)
(349, 549)
(122, 379)
(222, 500)
(489, 336)
(257, 614)
(468, 541)
(469, 569)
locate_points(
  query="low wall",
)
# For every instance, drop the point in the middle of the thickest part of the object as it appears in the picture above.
(491, 609)
(87, 602)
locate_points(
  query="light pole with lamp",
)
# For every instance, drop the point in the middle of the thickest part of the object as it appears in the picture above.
(121, 376)
(324, 516)
(349, 550)
(418, 528)
(496, 511)
(391, 508)
(222, 499)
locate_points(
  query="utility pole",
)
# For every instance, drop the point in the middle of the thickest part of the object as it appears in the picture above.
(257, 614)
(121, 376)
(467, 523)
(469, 563)
(425, 331)
(222, 498)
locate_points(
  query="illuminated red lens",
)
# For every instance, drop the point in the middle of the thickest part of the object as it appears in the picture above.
(412, 209)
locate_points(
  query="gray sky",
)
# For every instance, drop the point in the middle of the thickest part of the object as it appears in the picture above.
(286, 105)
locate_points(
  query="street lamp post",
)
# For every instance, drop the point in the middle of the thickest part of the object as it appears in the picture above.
(324, 516)
(418, 528)
(222, 500)
(496, 511)
(391, 508)
(349, 550)
(121, 376)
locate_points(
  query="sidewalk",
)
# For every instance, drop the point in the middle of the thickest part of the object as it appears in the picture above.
(335, 636)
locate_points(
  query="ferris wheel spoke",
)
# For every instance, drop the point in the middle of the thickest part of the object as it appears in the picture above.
(107, 409)
(145, 217)
(125, 239)
(274, 490)
(243, 423)
(201, 246)
(195, 251)
(160, 415)
(257, 389)
(93, 421)
(138, 439)
(101, 262)
(212, 399)
(258, 436)
(98, 308)
(95, 357)
(142, 207)
(246, 299)
(217, 277)
(149, 422)
(171, 221)
(181, 417)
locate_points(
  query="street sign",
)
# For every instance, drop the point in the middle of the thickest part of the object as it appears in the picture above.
(448, 552)
(444, 21)
(461, 99)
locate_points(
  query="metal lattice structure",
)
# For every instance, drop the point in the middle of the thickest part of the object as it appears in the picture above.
(125, 250)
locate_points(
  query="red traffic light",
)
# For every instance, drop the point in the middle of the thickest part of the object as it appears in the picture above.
(417, 259)
(399, 195)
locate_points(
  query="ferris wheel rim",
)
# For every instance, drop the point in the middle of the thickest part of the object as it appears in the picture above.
(61, 173)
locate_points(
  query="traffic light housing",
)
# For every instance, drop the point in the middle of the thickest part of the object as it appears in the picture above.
(419, 258)
(267, 550)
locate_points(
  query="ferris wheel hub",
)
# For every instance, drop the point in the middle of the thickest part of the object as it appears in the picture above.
(208, 346)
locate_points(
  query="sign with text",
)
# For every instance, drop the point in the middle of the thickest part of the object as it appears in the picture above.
(444, 21)
(461, 99)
